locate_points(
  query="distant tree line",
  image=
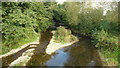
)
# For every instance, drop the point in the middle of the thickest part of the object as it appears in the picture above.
(104, 30)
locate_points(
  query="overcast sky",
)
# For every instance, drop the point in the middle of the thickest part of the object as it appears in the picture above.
(62, 1)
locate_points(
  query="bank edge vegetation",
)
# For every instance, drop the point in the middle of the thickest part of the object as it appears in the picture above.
(25, 20)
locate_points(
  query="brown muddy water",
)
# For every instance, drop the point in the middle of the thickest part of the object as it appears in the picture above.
(81, 53)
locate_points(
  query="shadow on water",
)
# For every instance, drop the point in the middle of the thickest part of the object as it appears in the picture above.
(8, 59)
(40, 57)
(80, 53)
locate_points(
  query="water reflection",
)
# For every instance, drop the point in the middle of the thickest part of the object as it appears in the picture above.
(40, 57)
(78, 54)
(8, 59)
(58, 59)
(81, 53)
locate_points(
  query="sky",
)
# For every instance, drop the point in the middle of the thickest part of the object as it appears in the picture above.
(60, 1)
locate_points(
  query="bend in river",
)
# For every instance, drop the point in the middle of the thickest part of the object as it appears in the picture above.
(80, 53)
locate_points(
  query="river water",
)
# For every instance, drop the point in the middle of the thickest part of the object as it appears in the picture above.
(80, 53)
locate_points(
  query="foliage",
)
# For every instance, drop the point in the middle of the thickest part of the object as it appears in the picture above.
(63, 35)
(59, 15)
(88, 21)
(21, 20)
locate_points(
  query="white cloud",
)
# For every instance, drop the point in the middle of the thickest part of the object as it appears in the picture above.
(60, 1)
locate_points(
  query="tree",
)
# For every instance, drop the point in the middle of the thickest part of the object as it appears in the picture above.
(22, 20)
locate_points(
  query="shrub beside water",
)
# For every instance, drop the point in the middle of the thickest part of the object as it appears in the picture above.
(107, 43)
(63, 35)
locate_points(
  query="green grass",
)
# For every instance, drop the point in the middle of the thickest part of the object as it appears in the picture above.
(21, 42)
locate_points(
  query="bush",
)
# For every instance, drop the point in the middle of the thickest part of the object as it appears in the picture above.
(104, 39)
(63, 35)
(107, 44)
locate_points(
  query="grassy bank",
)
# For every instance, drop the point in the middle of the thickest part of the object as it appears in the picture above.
(21, 42)
(110, 57)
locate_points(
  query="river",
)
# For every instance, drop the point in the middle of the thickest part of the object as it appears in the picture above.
(80, 53)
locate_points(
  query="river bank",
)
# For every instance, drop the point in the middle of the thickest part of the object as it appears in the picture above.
(53, 46)
(79, 53)
(15, 54)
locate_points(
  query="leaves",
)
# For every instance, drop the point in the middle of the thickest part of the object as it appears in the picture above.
(22, 19)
